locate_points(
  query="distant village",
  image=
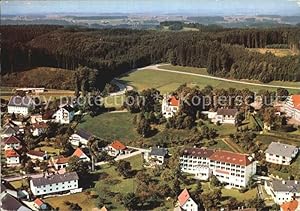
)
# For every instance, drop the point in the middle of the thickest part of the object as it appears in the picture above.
(29, 130)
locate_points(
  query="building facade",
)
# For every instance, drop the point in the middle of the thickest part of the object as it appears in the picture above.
(156, 156)
(64, 115)
(56, 183)
(80, 137)
(20, 105)
(292, 107)
(185, 202)
(170, 106)
(230, 168)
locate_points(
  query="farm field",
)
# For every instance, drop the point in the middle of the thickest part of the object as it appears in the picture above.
(167, 82)
(276, 52)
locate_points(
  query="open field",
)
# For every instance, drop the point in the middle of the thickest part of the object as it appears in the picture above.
(276, 52)
(167, 82)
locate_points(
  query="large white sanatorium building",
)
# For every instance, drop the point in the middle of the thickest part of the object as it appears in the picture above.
(230, 168)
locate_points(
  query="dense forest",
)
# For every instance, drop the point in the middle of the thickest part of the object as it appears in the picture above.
(115, 51)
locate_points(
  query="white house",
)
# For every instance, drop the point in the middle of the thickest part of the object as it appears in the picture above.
(64, 115)
(279, 153)
(9, 130)
(12, 142)
(59, 162)
(117, 148)
(170, 106)
(56, 183)
(20, 105)
(12, 157)
(156, 156)
(226, 116)
(81, 155)
(283, 191)
(37, 155)
(185, 202)
(230, 168)
(80, 137)
(39, 128)
(292, 107)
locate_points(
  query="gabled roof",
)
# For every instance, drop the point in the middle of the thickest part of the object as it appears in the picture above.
(68, 108)
(19, 101)
(6, 186)
(9, 202)
(12, 140)
(159, 151)
(117, 145)
(79, 153)
(10, 130)
(198, 152)
(38, 202)
(281, 149)
(36, 153)
(83, 133)
(290, 206)
(296, 101)
(227, 111)
(56, 178)
(285, 185)
(173, 101)
(40, 125)
(61, 160)
(48, 114)
(10, 153)
(183, 197)
(230, 157)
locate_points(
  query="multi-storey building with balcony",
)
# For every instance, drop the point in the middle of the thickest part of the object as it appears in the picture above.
(279, 153)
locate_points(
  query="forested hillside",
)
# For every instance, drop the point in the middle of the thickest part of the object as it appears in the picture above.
(115, 51)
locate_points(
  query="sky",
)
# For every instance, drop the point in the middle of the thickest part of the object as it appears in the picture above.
(157, 7)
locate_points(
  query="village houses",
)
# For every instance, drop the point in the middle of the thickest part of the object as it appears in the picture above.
(80, 137)
(283, 190)
(12, 142)
(39, 128)
(37, 155)
(222, 116)
(170, 106)
(282, 154)
(55, 183)
(116, 148)
(12, 157)
(156, 156)
(233, 169)
(81, 155)
(59, 162)
(64, 115)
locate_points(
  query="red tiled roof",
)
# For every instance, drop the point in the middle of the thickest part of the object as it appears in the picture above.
(183, 197)
(290, 206)
(40, 125)
(36, 153)
(174, 101)
(296, 101)
(61, 160)
(78, 153)
(10, 153)
(48, 115)
(38, 202)
(117, 145)
(198, 152)
(231, 157)
(12, 140)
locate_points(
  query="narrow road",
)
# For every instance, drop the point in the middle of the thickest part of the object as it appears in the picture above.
(158, 68)
(233, 145)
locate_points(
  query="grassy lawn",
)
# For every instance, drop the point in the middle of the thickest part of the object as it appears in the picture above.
(82, 199)
(276, 52)
(250, 194)
(114, 101)
(168, 82)
(197, 70)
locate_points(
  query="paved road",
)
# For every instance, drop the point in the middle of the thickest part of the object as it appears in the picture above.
(158, 68)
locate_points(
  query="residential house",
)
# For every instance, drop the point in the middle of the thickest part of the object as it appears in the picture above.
(47, 116)
(293, 205)
(64, 115)
(117, 148)
(185, 202)
(12, 157)
(230, 168)
(12, 143)
(59, 162)
(283, 190)
(39, 128)
(170, 106)
(292, 107)
(9, 130)
(81, 155)
(20, 105)
(80, 137)
(10, 202)
(279, 153)
(196, 161)
(56, 183)
(6, 187)
(31, 90)
(40, 204)
(156, 156)
(226, 116)
(37, 155)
